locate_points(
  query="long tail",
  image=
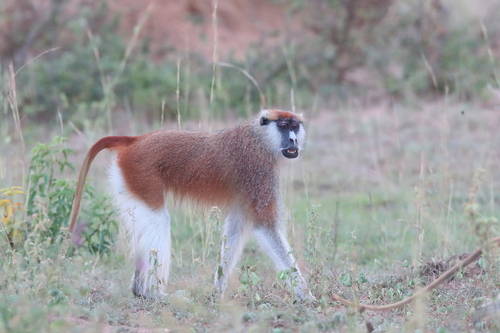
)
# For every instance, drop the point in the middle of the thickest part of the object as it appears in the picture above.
(108, 142)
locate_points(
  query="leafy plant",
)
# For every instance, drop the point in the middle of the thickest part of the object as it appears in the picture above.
(100, 228)
(289, 276)
(249, 280)
(50, 200)
(12, 223)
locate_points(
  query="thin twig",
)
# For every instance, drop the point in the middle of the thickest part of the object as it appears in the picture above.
(250, 77)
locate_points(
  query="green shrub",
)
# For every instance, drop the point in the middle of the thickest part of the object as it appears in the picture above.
(50, 200)
(429, 46)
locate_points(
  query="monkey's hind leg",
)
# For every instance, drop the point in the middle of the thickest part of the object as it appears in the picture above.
(148, 233)
(273, 240)
(150, 238)
(236, 231)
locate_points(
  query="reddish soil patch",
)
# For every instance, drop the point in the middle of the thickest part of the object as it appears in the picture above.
(188, 25)
(183, 25)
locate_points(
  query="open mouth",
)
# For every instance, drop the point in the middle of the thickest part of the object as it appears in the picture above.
(290, 152)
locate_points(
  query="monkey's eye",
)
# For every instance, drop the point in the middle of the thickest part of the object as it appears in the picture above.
(283, 125)
(295, 126)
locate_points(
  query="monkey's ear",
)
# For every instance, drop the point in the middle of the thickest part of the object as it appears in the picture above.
(264, 121)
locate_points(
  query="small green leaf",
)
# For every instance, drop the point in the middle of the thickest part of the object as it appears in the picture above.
(482, 263)
(254, 278)
(346, 279)
(283, 275)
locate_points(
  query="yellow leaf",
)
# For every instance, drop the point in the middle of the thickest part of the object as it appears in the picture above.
(5, 202)
(8, 192)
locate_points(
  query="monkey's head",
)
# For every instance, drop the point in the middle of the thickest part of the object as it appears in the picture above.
(284, 131)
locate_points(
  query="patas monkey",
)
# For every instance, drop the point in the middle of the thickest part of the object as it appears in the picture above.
(235, 168)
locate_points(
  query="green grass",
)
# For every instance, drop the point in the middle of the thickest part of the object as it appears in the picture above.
(378, 193)
(381, 199)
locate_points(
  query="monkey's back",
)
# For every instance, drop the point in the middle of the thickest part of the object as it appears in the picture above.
(210, 168)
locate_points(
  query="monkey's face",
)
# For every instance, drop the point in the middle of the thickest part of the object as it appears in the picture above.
(287, 133)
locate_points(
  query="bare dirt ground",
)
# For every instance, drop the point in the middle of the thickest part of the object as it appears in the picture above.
(188, 25)
(194, 26)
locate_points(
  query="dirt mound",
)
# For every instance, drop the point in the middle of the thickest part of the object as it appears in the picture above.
(182, 25)
(188, 25)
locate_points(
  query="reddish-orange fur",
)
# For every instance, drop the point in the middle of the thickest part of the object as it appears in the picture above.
(108, 142)
(194, 165)
(278, 114)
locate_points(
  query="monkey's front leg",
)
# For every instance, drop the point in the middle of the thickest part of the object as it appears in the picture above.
(273, 240)
(236, 230)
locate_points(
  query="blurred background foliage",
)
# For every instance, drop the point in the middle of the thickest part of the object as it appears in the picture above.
(71, 57)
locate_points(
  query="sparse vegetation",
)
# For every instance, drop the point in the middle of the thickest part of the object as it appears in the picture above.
(385, 197)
